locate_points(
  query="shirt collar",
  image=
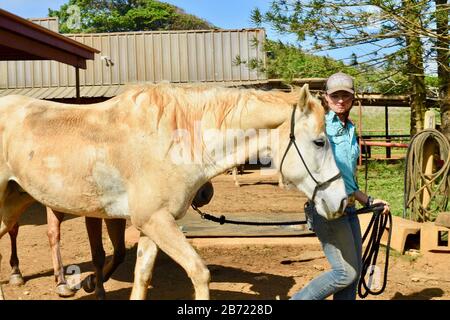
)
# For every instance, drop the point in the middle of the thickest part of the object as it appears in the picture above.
(331, 117)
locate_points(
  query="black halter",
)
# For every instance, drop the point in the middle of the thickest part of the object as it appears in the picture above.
(293, 142)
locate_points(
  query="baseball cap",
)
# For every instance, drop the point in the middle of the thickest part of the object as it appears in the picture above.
(340, 82)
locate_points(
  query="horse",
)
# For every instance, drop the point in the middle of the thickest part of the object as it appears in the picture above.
(93, 282)
(143, 154)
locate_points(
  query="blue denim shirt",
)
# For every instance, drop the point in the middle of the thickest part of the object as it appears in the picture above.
(345, 149)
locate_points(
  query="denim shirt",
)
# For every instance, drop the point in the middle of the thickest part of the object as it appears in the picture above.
(345, 149)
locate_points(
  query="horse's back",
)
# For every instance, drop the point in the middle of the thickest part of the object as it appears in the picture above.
(61, 155)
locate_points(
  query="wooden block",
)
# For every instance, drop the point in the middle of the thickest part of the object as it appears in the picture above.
(401, 229)
(443, 219)
(431, 236)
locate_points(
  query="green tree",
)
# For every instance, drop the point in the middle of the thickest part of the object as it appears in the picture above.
(288, 61)
(396, 36)
(443, 63)
(125, 15)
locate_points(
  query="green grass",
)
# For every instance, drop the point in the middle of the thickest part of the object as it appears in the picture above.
(373, 123)
(385, 181)
(372, 120)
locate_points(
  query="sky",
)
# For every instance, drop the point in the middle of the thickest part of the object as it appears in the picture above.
(226, 14)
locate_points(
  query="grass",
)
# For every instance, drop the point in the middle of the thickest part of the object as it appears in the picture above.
(384, 181)
(373, 123)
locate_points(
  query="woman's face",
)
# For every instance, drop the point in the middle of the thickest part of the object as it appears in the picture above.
(340, 101)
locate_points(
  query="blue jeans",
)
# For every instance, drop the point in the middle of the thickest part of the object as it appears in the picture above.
(341, 243)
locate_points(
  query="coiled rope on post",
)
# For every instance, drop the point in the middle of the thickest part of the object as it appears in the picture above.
(415, 180)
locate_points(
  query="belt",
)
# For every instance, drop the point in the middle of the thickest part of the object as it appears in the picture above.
(351, 201)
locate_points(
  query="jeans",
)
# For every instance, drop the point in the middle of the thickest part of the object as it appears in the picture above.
(341, 243)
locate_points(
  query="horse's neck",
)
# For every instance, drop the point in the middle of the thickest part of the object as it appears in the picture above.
(252, 132)
(257, 114)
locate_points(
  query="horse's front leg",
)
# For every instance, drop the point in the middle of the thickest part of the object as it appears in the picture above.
(54, 219)
(162, 229)
(145, 261)
(15, 278)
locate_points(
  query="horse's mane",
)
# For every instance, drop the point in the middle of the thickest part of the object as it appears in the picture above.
(185, 104)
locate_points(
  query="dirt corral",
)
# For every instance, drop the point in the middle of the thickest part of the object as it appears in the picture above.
(241, 268)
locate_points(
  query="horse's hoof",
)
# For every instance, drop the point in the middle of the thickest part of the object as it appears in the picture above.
(100, 295)
(88, 284)
(16, 279)
(64, 291)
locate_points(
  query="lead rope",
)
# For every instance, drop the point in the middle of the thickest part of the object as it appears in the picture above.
(222, 220)
(376, 227)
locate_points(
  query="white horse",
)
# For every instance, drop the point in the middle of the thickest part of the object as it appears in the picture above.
(143, 155)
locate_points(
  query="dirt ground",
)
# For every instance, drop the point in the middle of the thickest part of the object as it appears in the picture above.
(241, 268)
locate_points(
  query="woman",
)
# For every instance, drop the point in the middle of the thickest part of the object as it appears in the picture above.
(340, 238)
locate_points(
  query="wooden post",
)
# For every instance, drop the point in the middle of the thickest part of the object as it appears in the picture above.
(428, 159)
(386, 125)
(77, 83)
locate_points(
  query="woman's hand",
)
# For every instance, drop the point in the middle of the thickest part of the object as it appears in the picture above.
(386, 205)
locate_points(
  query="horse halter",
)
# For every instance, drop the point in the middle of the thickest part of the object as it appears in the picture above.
(292, 141)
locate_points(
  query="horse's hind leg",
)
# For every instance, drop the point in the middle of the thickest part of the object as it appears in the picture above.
(163, 230)
(15, 278)
(116, 232)
(14, 204)
(54, 219)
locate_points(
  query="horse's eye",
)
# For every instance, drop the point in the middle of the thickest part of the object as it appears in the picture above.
(319, 142)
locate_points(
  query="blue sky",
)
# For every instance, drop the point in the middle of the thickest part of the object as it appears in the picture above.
(227, 14)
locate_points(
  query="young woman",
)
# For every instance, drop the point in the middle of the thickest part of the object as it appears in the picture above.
(340, 238)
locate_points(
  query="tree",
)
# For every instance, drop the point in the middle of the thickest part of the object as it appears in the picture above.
(125, 15)
(396, 36)
(443, 63)
(288, 61)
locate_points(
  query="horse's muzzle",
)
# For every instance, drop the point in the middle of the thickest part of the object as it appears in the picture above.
(340, 212)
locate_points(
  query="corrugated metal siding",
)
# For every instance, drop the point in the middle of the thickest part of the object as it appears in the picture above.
(49, 23)
(136, 57)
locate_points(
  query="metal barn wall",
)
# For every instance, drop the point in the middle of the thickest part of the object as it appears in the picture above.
(131, 57)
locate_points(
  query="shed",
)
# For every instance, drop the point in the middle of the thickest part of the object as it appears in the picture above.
(22, 40)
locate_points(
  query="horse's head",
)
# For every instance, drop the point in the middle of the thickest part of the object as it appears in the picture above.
(306, 158)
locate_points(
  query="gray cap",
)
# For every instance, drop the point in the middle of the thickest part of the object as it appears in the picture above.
(340, 82)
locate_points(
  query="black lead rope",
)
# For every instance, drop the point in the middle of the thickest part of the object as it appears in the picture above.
(376, 228)
(222, 220)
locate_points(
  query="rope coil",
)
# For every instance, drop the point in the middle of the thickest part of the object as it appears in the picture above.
(437, 184)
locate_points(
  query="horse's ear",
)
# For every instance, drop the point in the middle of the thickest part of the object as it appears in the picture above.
(305, 95)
